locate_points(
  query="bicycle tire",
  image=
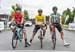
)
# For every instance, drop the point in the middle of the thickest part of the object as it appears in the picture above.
(14, 44)
(54, 43)
(54, 40)
(41, 43)
(41, 39)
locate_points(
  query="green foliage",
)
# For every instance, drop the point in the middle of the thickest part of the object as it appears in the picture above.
(47, 18)
(14, 8)
(70, 14)
(26, 15)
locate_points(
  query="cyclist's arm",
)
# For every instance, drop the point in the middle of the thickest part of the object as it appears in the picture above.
(60, 20)
(22, 21)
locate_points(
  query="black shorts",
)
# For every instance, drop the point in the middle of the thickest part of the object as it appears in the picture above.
(58, 26)
(17, 25)
(37, 27)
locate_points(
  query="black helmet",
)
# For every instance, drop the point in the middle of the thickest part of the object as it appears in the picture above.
(55, 8)
(18, 9)
(40, 10)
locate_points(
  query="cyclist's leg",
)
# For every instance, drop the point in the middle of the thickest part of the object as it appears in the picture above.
(52, 30)
(34, 32)
(44, 30)
(62, 34)
(25, 36)
(12, 28)
(59, 28)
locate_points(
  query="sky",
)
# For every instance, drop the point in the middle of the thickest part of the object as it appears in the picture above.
(33, 5)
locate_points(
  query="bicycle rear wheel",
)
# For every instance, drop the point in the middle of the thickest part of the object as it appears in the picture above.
(14, 41)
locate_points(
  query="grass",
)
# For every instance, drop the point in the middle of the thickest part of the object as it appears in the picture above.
(65, 26)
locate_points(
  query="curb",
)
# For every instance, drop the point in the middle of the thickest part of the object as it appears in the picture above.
(69, 29)
(5, 30)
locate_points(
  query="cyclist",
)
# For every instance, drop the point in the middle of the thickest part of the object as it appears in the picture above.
(40, 23)
(17, 17)
(55, 18)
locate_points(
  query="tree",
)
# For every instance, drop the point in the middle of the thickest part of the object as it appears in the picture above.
(66, 13)
(14, 8)
(47, 18)
(26, 15)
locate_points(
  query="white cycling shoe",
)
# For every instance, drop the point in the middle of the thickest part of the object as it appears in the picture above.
(66, 44)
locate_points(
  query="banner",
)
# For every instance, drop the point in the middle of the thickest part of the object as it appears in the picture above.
(71, 26)
(1, 25)
(74, 19)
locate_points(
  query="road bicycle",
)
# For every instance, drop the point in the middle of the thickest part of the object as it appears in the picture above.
(17, 35)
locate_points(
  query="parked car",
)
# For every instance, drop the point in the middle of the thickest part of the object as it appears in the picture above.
(28, 23)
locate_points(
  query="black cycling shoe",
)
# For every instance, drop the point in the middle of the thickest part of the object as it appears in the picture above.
(20, 40)
(28, 44)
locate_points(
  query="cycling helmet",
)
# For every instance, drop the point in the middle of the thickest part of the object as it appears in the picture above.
(40, 10)
(18, 9)
(55, 8)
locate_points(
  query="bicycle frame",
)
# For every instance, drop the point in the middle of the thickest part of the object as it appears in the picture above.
(19, 32)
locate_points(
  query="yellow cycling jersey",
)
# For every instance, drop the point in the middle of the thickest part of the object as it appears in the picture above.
(40, 19)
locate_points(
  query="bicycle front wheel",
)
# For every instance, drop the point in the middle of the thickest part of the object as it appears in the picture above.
(54, 43)
(41, 42)
(54, 40)
(14, 41)
(41, 39)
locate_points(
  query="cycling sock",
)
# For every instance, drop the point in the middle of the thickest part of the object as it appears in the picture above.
(25, 41)
(64, 41)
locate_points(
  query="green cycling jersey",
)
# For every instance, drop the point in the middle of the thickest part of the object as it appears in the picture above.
(55, 17)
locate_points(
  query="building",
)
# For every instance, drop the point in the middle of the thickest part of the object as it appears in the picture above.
(4, 18)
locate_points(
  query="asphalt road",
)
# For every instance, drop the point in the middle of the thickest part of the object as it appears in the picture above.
(6, 36)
